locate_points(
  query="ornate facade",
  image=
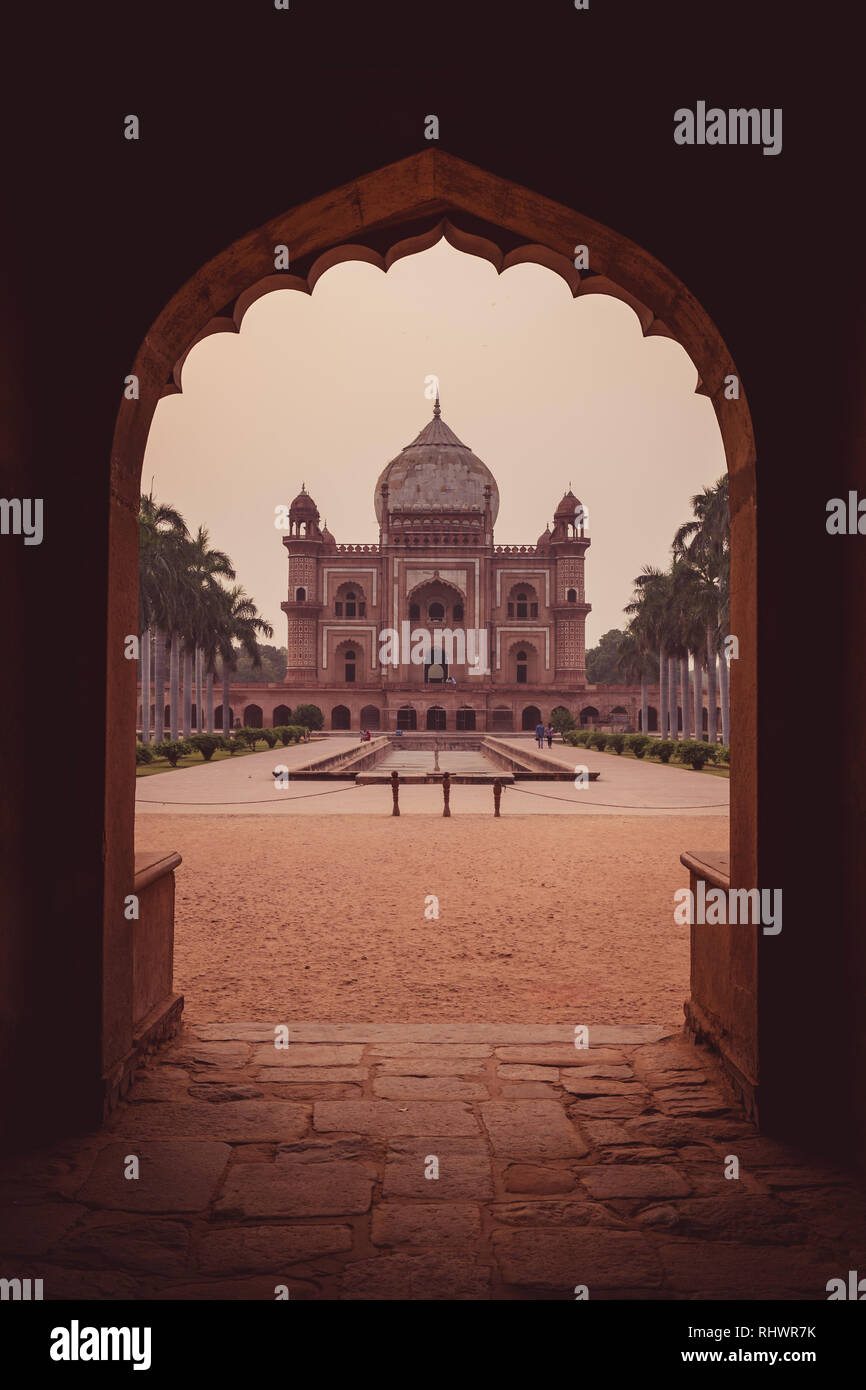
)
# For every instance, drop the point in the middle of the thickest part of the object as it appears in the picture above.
(505, 624)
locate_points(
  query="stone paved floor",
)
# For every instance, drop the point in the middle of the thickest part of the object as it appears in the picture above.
(307, 1167)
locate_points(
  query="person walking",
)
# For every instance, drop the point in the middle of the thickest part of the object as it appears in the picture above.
(549, 735)
(539, 734)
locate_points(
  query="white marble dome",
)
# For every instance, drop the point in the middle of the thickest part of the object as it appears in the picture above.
(437, 472)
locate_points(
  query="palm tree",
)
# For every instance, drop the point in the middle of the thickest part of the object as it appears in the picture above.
(240, 623)
(160, 529)
(633, 663)
(705, 543)
(650, 604)
(206, 567)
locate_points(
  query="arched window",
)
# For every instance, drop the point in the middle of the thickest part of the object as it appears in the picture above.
(414, 613)
(458, 612)
(350, 605)
(522, 668)
(522, 608)
(350, 665)
(437, 612)
(301, 596)
(571, 596)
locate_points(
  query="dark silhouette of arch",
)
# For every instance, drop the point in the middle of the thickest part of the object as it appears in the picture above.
(589, 714)
(253, 717)
(282, 715)
(340, 717)
(407, 718)
(371, 717)
(466, 719)
(218, 718)
(530, 718)
(436, 717)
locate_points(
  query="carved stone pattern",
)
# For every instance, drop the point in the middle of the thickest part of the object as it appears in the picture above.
(302, 573)
(570, 645)
(570, 576)
(302, 642)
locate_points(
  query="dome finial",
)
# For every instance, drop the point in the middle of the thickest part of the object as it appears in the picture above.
(436, 407)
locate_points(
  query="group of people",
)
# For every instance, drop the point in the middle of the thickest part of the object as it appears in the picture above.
(542, 733)
(365, 736)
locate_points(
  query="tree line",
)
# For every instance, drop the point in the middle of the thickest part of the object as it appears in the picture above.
(194, 623)
(682, 614)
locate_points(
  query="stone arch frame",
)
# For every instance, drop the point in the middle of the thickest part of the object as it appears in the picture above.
(530, 717)
(251, 714)
(341, 717)
(371, 717)
(529, 644)
(378, 218)
(350, 586)
(532, 601)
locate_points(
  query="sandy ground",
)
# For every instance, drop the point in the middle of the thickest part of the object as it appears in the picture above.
(547, 918)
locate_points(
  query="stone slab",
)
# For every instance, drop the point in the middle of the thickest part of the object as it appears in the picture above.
(387, 1118)
(600, 1258)
(439, 1225)
(292, 1187)
(237, 1122)
(175, 1175)
(531, 1129)
(253, 1249)
(429, 1088)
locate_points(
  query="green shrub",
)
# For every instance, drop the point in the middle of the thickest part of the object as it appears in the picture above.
(249, 737)
(722, 753)
(270, 736)
(173, 750)
(662, 748)
(597, 740)
(562, 719)
(310, 716)
(637, 744)
(298, 733)
(234, 745)
(616, 742)
(283, 733)
(143, 753)
(207, 744)
(694, 754)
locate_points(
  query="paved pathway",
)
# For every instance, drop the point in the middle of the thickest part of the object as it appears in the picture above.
(459, 1162)
(246, 786)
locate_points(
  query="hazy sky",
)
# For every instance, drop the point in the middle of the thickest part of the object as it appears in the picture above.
(548, 390)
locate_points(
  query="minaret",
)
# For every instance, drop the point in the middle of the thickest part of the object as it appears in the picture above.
(302, 608)
(569, 544)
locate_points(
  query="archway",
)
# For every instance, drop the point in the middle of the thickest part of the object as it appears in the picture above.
(589, 715)
(416, 202)
(282, 716)
(407, 719)
(436, 718)
(340, 717)
(371, 717)
(530, 718)
(253, 717)
(218, 718)
(465, 721)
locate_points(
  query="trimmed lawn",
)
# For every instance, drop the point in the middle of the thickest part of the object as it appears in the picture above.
(709, 770)
(196, 760)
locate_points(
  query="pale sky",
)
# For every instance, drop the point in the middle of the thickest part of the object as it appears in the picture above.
(548, 390)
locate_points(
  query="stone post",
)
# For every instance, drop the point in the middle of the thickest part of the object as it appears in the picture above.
(497, 795)
(446, 792)
(395, 792)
